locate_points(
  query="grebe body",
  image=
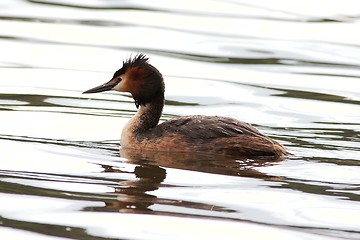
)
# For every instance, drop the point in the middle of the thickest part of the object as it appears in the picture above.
(209, 134)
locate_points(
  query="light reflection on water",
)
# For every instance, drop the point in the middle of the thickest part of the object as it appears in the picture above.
(290, 69)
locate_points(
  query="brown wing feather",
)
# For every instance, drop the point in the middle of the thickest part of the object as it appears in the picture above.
(219, 135)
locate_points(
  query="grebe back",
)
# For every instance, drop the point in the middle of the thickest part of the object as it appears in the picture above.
(211, 134)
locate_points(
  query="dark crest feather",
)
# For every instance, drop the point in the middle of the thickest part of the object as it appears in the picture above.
(138, 60)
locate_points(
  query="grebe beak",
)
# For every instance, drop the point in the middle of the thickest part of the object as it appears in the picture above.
(102, 88)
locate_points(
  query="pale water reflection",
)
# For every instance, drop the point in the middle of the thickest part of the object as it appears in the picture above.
(290, 68)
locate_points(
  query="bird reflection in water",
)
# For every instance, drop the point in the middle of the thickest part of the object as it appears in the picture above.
(135, 195)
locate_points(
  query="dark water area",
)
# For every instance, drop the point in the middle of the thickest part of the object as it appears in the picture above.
(290, 68)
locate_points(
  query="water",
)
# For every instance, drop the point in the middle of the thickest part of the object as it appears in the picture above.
(290, 68)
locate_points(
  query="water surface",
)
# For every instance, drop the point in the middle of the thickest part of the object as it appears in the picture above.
(288, 67)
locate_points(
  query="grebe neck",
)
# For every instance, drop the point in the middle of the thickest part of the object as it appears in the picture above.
(149, 114)
(146, 118)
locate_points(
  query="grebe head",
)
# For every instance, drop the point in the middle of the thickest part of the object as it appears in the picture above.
(137, 77)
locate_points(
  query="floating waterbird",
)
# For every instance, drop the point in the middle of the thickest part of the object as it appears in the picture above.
(210, 134)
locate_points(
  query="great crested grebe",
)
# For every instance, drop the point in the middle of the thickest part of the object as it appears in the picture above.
(217, 135)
